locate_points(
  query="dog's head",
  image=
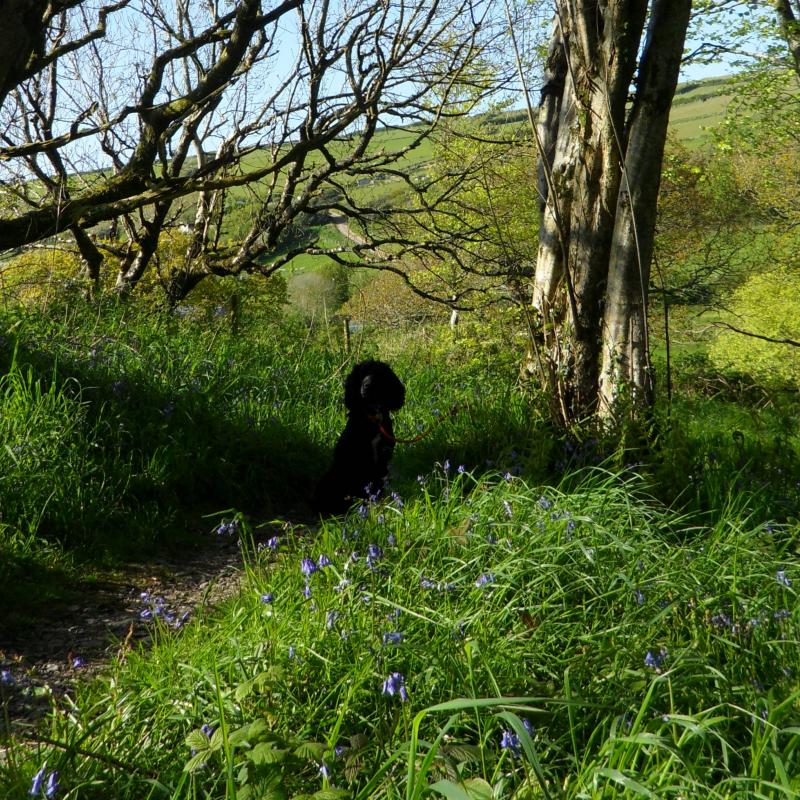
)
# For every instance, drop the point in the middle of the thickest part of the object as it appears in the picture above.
(373, 387)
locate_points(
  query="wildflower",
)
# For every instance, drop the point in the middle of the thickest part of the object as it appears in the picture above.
(38, 780)
(483, 580)
(374, 553)
(781, 614)
(52, 785)
(392, 637)
(291, 653)
(307, 592)
(655, 660)
(342, 585)
(7, 679)
(363, 511)
(227, 528)
(509, 511)
(461, 469)
(308, 567)
(323, 561)
(267, 598)
(392, 615)
(330, 619)
(507, 476)
(273, 543)
(781, 578)
(78, 662)
(545, 504)
(324, 771)
(398, 501)
(639, 595)
(339, 751)
(395, 685)
(391, 540)
(510, 741)
(207, 730)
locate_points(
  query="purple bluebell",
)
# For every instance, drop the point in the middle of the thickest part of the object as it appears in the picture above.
(267, 598)
(392, 637)
(330, 619)
(391, 540)
(639, 595)
(461, 469)
(323, 561)
(655, 660)
(508, 509)
(780, 577)
(273, 543)
(207, 730)
(395, 686)
(510, 741)
(38, 782)
(52, 785)
(307, 592)
(78, 662)
(398, 501)
(485, 579)
(545, 504)
(308, 567)
(324, 771)
(6, 678)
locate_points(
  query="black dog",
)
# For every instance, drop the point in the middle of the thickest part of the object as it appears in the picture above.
(362, 454)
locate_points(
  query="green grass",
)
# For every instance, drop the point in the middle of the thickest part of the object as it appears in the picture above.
(653, 658)
(526, 574)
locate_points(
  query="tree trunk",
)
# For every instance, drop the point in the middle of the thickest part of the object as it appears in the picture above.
(587, 273)
(626, 370)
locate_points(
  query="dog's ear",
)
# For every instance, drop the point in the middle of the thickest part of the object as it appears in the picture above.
(353, 395)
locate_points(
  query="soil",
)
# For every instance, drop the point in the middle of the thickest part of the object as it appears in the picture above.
(44, 660)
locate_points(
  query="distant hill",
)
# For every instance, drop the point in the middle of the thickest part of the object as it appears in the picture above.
(699, 106)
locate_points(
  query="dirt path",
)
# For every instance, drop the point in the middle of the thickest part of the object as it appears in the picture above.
(46, 659)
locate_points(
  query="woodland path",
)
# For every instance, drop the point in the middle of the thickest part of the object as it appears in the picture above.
(76, 641)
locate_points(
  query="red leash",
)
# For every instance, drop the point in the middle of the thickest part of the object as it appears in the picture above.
(419, 437)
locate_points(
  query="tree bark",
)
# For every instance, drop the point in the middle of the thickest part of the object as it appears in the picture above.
(626, 370)
(601, 42)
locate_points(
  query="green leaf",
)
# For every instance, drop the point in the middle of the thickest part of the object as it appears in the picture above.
(195, 762)
(312, 750)
(266, 753)
(198, 741)
(627, 782)
(332, 794)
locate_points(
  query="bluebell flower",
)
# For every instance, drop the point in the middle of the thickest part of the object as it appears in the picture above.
(323, 561)
(78, 662)
(782, 613)
(529, 728)
(339, 751)
(461, 469)
(324, 771)
(483, 580)
(38, 782)
(446, 466)
(207, 730)
(227, 528)
(330, 619)
(393, 615)
(363, 511)
(395, 686)
(780, 577)
(273, 543)
(267, 598)
(398, 501)
(52, 785)
(392, 637)
(391, 540)
(307, 592)
(507, 476)
(308, 567)
(508, 509)
(510, 741)
(545, 504)
(655, 660)
(6, 678)
(639, 595)
(342, 585)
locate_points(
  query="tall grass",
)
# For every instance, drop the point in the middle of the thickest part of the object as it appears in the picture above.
(646, 659)
(518, 624)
